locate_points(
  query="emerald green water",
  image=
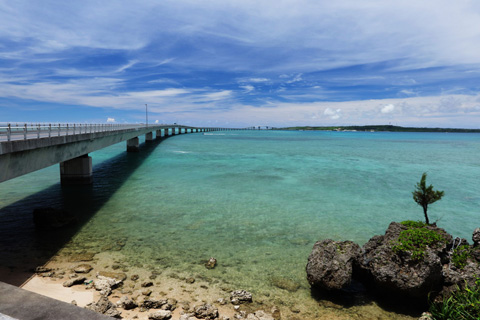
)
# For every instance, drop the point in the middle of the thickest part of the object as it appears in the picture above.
(256, 200)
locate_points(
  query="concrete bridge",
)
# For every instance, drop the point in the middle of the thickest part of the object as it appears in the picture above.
(26, 148)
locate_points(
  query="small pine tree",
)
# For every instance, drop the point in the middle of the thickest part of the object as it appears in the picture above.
(424, 195)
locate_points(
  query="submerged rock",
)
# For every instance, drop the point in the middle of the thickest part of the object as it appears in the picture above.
(285, 283)
(240, 296)
(115, 275)
(211, 263)
(330, 265)
(82, 256)
(83, 268)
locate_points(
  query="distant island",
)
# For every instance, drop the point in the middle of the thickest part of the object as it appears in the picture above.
(388, 128)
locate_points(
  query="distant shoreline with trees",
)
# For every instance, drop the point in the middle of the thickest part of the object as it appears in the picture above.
(381, 128)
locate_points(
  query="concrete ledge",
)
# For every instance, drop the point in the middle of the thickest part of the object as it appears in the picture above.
(21, 304)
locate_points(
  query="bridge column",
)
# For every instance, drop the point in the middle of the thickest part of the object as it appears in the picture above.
(158, 134)
(76, 171)
(133, 145)
(149, 137)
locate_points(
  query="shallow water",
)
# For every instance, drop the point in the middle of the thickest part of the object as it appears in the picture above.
(256, 201)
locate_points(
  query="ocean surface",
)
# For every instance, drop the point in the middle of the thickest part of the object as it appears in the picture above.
(255, 200)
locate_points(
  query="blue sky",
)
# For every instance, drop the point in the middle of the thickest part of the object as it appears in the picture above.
(242, 63)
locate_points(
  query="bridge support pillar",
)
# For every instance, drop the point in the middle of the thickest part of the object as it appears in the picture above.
(133, 145)
(149, 137)
(158, 134)
(76, 171)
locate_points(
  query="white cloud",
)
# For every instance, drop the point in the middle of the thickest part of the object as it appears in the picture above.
(389, 108)
(257, 80)
(333, 114)
(126, 66)
(296, 78)
(248, 88)
(110, 120)
(156, 121)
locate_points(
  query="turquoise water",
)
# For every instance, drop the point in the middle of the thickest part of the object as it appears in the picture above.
(256, 200)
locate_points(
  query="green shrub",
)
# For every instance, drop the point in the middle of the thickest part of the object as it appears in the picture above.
(463, 304)
(413, 224)
(416, 240)
(460, 256)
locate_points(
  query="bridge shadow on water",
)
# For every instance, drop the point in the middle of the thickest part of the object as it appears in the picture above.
(24, 247)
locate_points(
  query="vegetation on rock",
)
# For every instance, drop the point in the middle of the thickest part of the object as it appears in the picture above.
(463, 304)
(460, 256)
(413, 224)
(424, 195)
(416, 238)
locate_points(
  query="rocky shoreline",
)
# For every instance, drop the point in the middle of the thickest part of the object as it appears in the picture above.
(116, 293)
(411, 261)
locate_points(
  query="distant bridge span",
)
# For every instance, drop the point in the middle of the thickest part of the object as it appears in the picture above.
(27, 148)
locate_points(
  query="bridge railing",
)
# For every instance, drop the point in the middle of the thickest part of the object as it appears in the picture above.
(24, 131)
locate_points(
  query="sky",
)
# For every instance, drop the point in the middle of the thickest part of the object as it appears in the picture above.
(241, 63)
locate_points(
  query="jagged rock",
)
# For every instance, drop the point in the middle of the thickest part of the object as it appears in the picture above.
(147, 284)
(154, 304)
(42, 269)
(211, 263)
(330, 263)
(83, 268)
(160, 315)
(51, 218)
(455, 277)
(240, 296)
(276, 313)
(426, 316)
(105, 284)
(146, 292)
(104, 306)
(188, 316)
(476, 237)
(170, 305)
(385, 270)
(134, 277)
(127, 303)
(74, 281)
(206, 311)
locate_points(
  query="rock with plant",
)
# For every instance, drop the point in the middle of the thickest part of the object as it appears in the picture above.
(406, 261)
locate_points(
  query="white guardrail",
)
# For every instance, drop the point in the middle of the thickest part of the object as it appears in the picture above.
(24, 131)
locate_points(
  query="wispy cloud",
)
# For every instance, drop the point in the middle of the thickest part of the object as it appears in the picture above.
(248, 88)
